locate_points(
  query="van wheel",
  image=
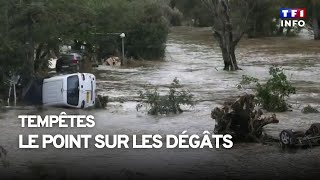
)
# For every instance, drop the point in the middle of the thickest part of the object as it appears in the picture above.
(82, 104)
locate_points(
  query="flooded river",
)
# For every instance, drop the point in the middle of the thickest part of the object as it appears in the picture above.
(196, 61)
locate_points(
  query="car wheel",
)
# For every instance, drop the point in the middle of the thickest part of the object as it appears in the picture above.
(287, 138)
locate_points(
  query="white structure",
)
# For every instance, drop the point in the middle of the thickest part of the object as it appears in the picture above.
(71, 90)
(122, 36)
(53, 62)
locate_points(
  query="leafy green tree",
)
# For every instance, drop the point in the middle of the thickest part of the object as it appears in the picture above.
(230, 22)
(38, 26)
(148, 35)
(32, 32)
(144, 22)
(262, 20)
(313, 14)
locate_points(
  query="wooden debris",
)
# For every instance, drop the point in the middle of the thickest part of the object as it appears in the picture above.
(113, 61)
(241, 119)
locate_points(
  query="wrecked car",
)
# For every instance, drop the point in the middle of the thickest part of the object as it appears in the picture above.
(292, 138)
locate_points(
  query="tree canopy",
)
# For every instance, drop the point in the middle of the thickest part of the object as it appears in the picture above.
(32, 31)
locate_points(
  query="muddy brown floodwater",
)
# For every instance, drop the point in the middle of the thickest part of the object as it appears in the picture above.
(196, 61)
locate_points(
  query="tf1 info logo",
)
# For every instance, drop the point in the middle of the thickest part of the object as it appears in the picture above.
(292, 17)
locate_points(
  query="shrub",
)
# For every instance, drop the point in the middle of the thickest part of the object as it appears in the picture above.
(272, 95)
(174, 16)
(165, 104)
(309, 109)
(148, 36)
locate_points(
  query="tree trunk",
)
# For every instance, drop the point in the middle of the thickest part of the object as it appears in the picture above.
(233, 57)
(316, 30)
(226, 58)
(315, 21)
(229, 58)
(225, 33)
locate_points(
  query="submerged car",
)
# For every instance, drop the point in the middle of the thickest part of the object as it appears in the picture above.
(291, 138)
(68, 62)
(70, 90)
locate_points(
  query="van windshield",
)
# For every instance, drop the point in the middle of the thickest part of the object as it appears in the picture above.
(73, 90)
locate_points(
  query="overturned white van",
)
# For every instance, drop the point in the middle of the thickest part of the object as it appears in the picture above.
(71, 90)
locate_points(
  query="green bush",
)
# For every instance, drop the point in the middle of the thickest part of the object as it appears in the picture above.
(173, 15)
(12, 61)
(272, 94)
(145, 24)
(165, 104)
(147, 37)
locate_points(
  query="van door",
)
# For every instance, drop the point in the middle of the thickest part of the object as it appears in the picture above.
(52, 92)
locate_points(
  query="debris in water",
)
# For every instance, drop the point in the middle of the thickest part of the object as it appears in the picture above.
(292, 138)
(240, 119)
(309, 109)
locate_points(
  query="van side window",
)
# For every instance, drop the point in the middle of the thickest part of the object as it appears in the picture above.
(73, 90)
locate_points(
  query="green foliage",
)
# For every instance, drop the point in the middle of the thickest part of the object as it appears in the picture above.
(194, 10)
(246, 80)
(11, 62)
(272, 94)
(309, 109)
(165, 104)
(173, 15)
(261, 21)
(31, 31)
(145, 23)
(147, 38)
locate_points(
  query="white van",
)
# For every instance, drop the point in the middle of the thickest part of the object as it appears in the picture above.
(71, 90)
